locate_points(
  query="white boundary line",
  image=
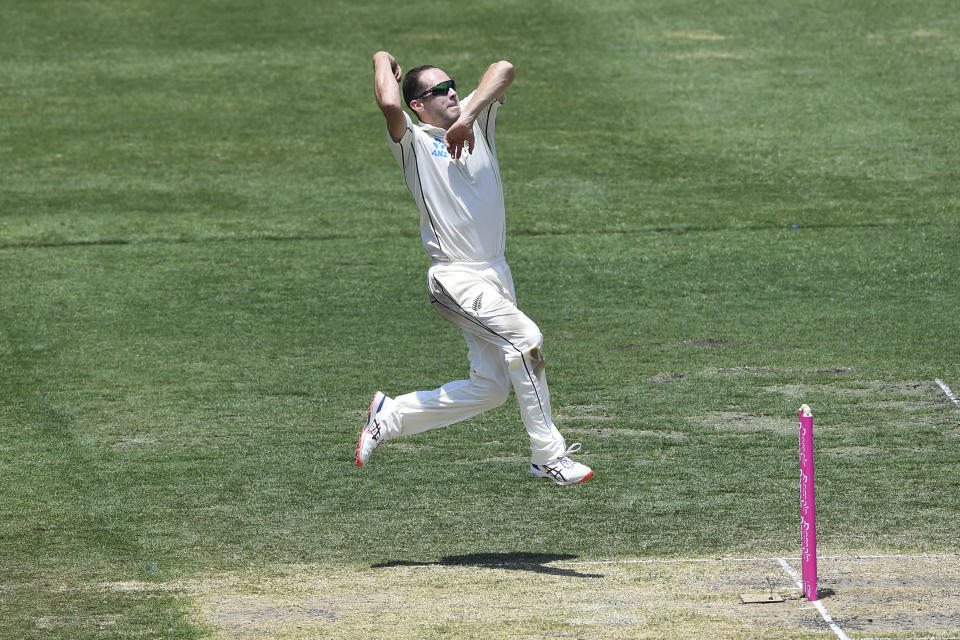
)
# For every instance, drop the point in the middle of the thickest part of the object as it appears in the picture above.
(947, 391)
(816, 603)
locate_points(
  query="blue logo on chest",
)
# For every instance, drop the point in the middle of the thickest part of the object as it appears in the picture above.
(439, 149)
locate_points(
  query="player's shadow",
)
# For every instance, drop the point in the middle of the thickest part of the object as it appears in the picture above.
(516, 561)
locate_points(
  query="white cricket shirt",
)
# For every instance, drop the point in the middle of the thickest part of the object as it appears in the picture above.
(462, 217)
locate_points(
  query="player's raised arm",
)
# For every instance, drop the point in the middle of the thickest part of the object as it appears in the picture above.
(493, 84)
(386, 74)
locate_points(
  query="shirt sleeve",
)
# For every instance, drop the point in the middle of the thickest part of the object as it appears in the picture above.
(487, 120)
(403, 149)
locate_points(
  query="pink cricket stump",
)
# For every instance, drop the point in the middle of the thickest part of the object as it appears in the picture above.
(808, 508)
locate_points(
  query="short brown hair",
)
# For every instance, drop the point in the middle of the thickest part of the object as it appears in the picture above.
(411, 82)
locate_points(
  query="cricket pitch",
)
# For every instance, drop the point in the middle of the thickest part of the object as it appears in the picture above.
(542, 596)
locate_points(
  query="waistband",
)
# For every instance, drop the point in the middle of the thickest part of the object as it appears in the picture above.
(472, 264)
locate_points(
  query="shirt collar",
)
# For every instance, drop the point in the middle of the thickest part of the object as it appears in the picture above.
(432, 131)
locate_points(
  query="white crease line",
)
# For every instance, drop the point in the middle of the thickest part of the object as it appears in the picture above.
(947, 391)
(816, 603)
(895, 556)
(588, 563)
(892, 556)
(656, 561)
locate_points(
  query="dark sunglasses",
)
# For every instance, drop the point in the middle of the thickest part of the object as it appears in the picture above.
(441, 89)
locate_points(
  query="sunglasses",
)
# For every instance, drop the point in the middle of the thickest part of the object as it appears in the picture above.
(441, 89)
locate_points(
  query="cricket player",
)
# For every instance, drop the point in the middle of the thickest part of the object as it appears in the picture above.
(449, 162)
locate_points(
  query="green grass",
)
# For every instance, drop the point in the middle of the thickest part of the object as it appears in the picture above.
(208, 262)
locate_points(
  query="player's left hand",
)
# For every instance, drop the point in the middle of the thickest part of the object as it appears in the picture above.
(459, 138)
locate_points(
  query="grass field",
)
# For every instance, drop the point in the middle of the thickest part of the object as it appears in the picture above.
(717, 211)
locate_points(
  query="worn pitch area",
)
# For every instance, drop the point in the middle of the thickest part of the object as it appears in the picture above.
(528, 595)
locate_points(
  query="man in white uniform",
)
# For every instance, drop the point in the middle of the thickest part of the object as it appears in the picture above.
(449, 162)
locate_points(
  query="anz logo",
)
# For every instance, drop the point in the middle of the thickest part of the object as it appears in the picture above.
(439, 149)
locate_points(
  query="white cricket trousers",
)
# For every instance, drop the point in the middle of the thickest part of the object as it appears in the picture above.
(504, 352)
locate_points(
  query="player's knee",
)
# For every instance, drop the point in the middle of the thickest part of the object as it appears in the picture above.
(531, 341)
(526, 348)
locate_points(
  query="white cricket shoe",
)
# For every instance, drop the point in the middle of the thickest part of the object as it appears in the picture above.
(563, 470)
(372, 435)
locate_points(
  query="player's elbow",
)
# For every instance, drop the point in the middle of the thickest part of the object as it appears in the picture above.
(389, 100)
(506, 69)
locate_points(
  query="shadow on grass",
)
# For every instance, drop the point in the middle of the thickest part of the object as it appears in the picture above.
(516, 561)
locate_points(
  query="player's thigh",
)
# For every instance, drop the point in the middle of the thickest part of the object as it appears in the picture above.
(481, 307)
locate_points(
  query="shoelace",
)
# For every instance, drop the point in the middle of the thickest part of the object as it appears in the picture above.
(573, 449)
(563, 460)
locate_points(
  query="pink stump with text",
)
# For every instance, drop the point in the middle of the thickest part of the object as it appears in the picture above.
(808, 508)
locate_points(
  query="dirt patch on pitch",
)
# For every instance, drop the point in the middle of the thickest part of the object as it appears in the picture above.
(579, 413)
(773, 371)
(131, 443)
(925, 393)
(919, 402)
(877, 597)
(706, 343)
(664, 378)
(884, 596)
(734, 421)
(905, 389)
(514, 460)
(852, 452)
(603, 432)
(66, 623)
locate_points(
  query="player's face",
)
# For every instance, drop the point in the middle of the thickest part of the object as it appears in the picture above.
(439, 110)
